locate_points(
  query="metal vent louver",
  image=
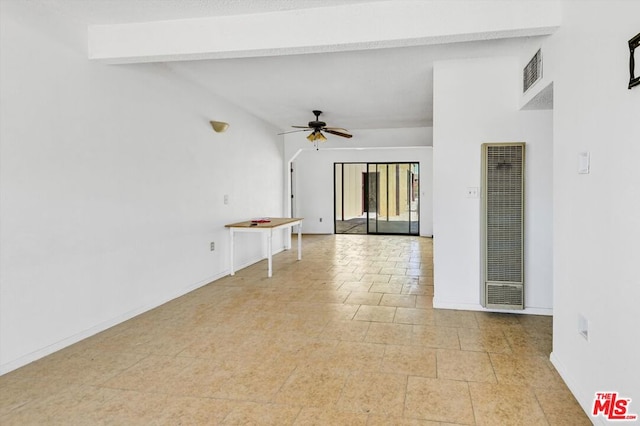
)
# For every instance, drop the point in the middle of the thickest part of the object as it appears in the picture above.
(532, 72)
(505, 295)
(503, 225)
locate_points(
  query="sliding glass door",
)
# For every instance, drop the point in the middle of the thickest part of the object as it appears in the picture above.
(377, 198)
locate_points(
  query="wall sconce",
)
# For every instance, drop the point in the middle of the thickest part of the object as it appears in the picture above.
(219, 126)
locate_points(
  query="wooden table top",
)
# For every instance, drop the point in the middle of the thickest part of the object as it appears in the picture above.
(273, 222)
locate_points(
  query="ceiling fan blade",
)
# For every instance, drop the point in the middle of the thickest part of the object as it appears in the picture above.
(295, 131)
(337, 129)
(301, 127)
(337, 133)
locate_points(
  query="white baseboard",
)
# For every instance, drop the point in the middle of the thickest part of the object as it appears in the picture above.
(438, 304)
(585, 399)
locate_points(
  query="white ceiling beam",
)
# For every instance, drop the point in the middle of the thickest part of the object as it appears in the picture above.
(328, 29)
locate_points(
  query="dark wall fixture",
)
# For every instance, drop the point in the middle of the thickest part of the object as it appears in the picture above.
(633, 43)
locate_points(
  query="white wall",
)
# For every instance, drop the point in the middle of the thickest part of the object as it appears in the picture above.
(314, 170)
(469, 112)
(596, 215)
(112, 188)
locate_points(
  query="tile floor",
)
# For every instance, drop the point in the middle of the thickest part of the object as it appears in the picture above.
(347, 336)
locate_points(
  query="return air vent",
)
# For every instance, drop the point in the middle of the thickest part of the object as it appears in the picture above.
(503, 225)
(504, 296)
(532, 72)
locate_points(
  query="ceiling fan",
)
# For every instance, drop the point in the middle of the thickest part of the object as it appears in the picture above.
(317, 127)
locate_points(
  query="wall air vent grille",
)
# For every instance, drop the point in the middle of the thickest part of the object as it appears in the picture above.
(532, 72)
(503, 224)
(504, 296)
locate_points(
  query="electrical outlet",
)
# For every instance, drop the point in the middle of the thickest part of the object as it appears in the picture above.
(320, 219)
(213, 246)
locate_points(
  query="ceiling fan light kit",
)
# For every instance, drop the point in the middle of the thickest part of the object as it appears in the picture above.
(317, 127)
(316, 135)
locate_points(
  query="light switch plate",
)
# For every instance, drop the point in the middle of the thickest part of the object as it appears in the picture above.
(472, 192)
(584, 163)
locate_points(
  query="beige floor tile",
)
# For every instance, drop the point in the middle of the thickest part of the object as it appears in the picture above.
(328, 417)
(438, 400)
(415, 316)
(324, 284)
(353, 356)
(393, 271)
(351, 277)
(451, 318)
(375, 313)
(533, 371)
(409, 360)
(201, 378)
(345, 330)
(404, 280)
(418, 290)
(523, 343)
(194, 411)
(257, 382)
(376, 420)
(389, 288)
(376, 393)
(424, 302)
(376, 278)
(497, 320)
(561, 408)
(399, 300)
(120, 407)
(89, 366)
(216, 345)
(363, 298)
(435, 337)
(67, 406)
(505, 405)
(537, 323)
(327, 311)
(390, 333)
(150, 373)
(357, 286)
(483, 340)
(250, 413)
(326, 296)
(312, 387)
(17, 390)
(465, 365)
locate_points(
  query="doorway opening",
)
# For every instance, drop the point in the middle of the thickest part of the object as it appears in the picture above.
(377, 198)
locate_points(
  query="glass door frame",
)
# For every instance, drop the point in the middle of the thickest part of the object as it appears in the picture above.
(372, 211)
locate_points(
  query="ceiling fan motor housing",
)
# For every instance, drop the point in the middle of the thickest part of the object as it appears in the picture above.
(317, 124)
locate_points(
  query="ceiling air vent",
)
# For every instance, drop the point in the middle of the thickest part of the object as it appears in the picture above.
(532, 72)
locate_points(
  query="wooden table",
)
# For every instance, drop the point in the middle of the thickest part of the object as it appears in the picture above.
(266, 228)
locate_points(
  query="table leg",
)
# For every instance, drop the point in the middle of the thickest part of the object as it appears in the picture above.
(231, 251)
(269, 252)
(287, 238)
(300, 241)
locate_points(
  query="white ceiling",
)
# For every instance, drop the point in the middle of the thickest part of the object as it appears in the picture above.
(376, 88)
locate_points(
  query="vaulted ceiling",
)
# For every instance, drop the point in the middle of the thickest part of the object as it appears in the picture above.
(385, 82)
